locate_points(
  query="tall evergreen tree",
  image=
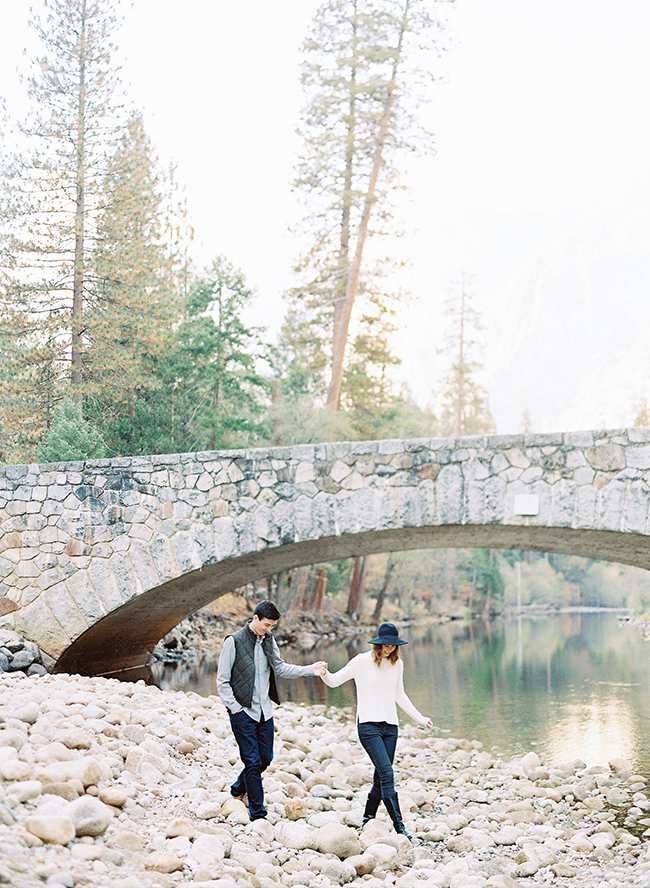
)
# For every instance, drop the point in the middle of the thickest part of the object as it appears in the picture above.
(56, 188)
(132, 299)
(219, 391)
(360, 79)
(465, 409)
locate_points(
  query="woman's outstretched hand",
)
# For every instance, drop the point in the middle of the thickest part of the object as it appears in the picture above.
(429, 724)
(320, 668)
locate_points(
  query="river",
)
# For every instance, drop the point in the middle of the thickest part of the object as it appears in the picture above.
(568, 686)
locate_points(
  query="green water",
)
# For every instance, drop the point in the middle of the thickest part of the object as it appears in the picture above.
(568, 686)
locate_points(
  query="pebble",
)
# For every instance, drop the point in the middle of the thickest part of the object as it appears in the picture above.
(121, 785)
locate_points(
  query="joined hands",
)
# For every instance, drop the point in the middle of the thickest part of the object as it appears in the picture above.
(320, 668)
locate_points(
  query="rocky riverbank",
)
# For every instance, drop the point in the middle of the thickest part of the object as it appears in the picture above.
(123, 785)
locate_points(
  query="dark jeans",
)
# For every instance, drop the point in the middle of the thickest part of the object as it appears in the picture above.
(379, 739)
(255, 742)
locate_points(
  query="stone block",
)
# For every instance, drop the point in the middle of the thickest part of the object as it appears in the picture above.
(283, 518)
(563, 501)
(610, 457)
(203, 538)
(66, 611)
(104, 583)
(450, 495)
(635, 513)
(225, 538)
(610, 507)
(517, 459)
(475, 501)
(346, 516)
(637, 457)
(584, 475)
(408, 508)
(128, 579)
(638, 435)
(494, 492)
(36, 620)
(325, 514)
(84, 596)
(475, 470)
(586, 506)
(186, 553)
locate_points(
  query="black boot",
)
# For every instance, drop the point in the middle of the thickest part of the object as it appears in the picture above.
(392, 806)
(372, 804)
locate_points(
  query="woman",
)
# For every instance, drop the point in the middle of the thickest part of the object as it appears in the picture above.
(379, 679)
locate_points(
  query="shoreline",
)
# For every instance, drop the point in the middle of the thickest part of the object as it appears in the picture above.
(132, 784)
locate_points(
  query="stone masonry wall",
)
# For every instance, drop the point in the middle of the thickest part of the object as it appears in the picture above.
(78, 540)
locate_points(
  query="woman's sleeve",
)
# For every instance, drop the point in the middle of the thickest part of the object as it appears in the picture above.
(403, 701)
(334, 679)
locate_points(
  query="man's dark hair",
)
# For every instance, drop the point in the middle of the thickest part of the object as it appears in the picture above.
(266, 610)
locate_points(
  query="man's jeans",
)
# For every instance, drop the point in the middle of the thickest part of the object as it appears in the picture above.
(255, 741)
(379, 739)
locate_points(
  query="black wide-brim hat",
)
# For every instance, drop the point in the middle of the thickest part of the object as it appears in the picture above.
(387, 634)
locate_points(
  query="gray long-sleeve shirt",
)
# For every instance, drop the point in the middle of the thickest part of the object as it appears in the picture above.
(262, 704)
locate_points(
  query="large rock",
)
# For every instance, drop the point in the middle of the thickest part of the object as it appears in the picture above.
(334, 838)
(163, 862)
(385, 855)
(89, 816)
(297, 836)
(339, 871)
(53, 829)
(86, 769)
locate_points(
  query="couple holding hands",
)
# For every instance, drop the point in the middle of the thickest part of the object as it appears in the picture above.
(246, 681)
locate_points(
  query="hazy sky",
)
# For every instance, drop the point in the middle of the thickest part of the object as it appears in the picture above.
(539, 190)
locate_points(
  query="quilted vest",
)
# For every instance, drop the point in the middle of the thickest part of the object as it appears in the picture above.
(242, 677)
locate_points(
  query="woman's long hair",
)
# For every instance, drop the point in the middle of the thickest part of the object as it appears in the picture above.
(377, 657)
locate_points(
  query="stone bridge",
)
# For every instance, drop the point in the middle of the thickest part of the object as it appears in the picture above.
(98, 560)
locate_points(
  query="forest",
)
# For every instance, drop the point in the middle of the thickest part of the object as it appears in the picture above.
(113, 342)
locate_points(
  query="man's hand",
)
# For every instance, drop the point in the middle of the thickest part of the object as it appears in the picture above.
(320, 668)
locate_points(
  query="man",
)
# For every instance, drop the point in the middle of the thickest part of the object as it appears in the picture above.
(249, 664)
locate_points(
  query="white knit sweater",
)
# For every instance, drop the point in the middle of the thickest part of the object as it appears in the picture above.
(379, 688)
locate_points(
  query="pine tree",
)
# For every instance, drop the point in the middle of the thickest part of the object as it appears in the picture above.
(642, 417)
(70, 437)
(132, 301)
(220, 392)
(360, 79)
(465, 409)
(56, 189)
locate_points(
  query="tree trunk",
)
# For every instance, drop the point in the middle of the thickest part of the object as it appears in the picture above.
(318, 590)
(297, 589)
(76, 371)
(391, 564)
(357, 585)
(342, 318)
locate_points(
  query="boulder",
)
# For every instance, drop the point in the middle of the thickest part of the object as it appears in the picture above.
(179, 826)
(363, 864)
(55, 830)
(295, 835)
(385, 855)
(89, 816)
(86, 769)
(335, 838)
(113, 795)
(163, 862)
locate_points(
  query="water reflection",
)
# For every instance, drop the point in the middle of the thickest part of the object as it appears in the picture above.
(569, 685)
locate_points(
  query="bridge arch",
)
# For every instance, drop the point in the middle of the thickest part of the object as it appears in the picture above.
(98, 560)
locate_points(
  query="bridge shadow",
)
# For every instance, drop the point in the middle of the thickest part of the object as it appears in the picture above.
(123, 641)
